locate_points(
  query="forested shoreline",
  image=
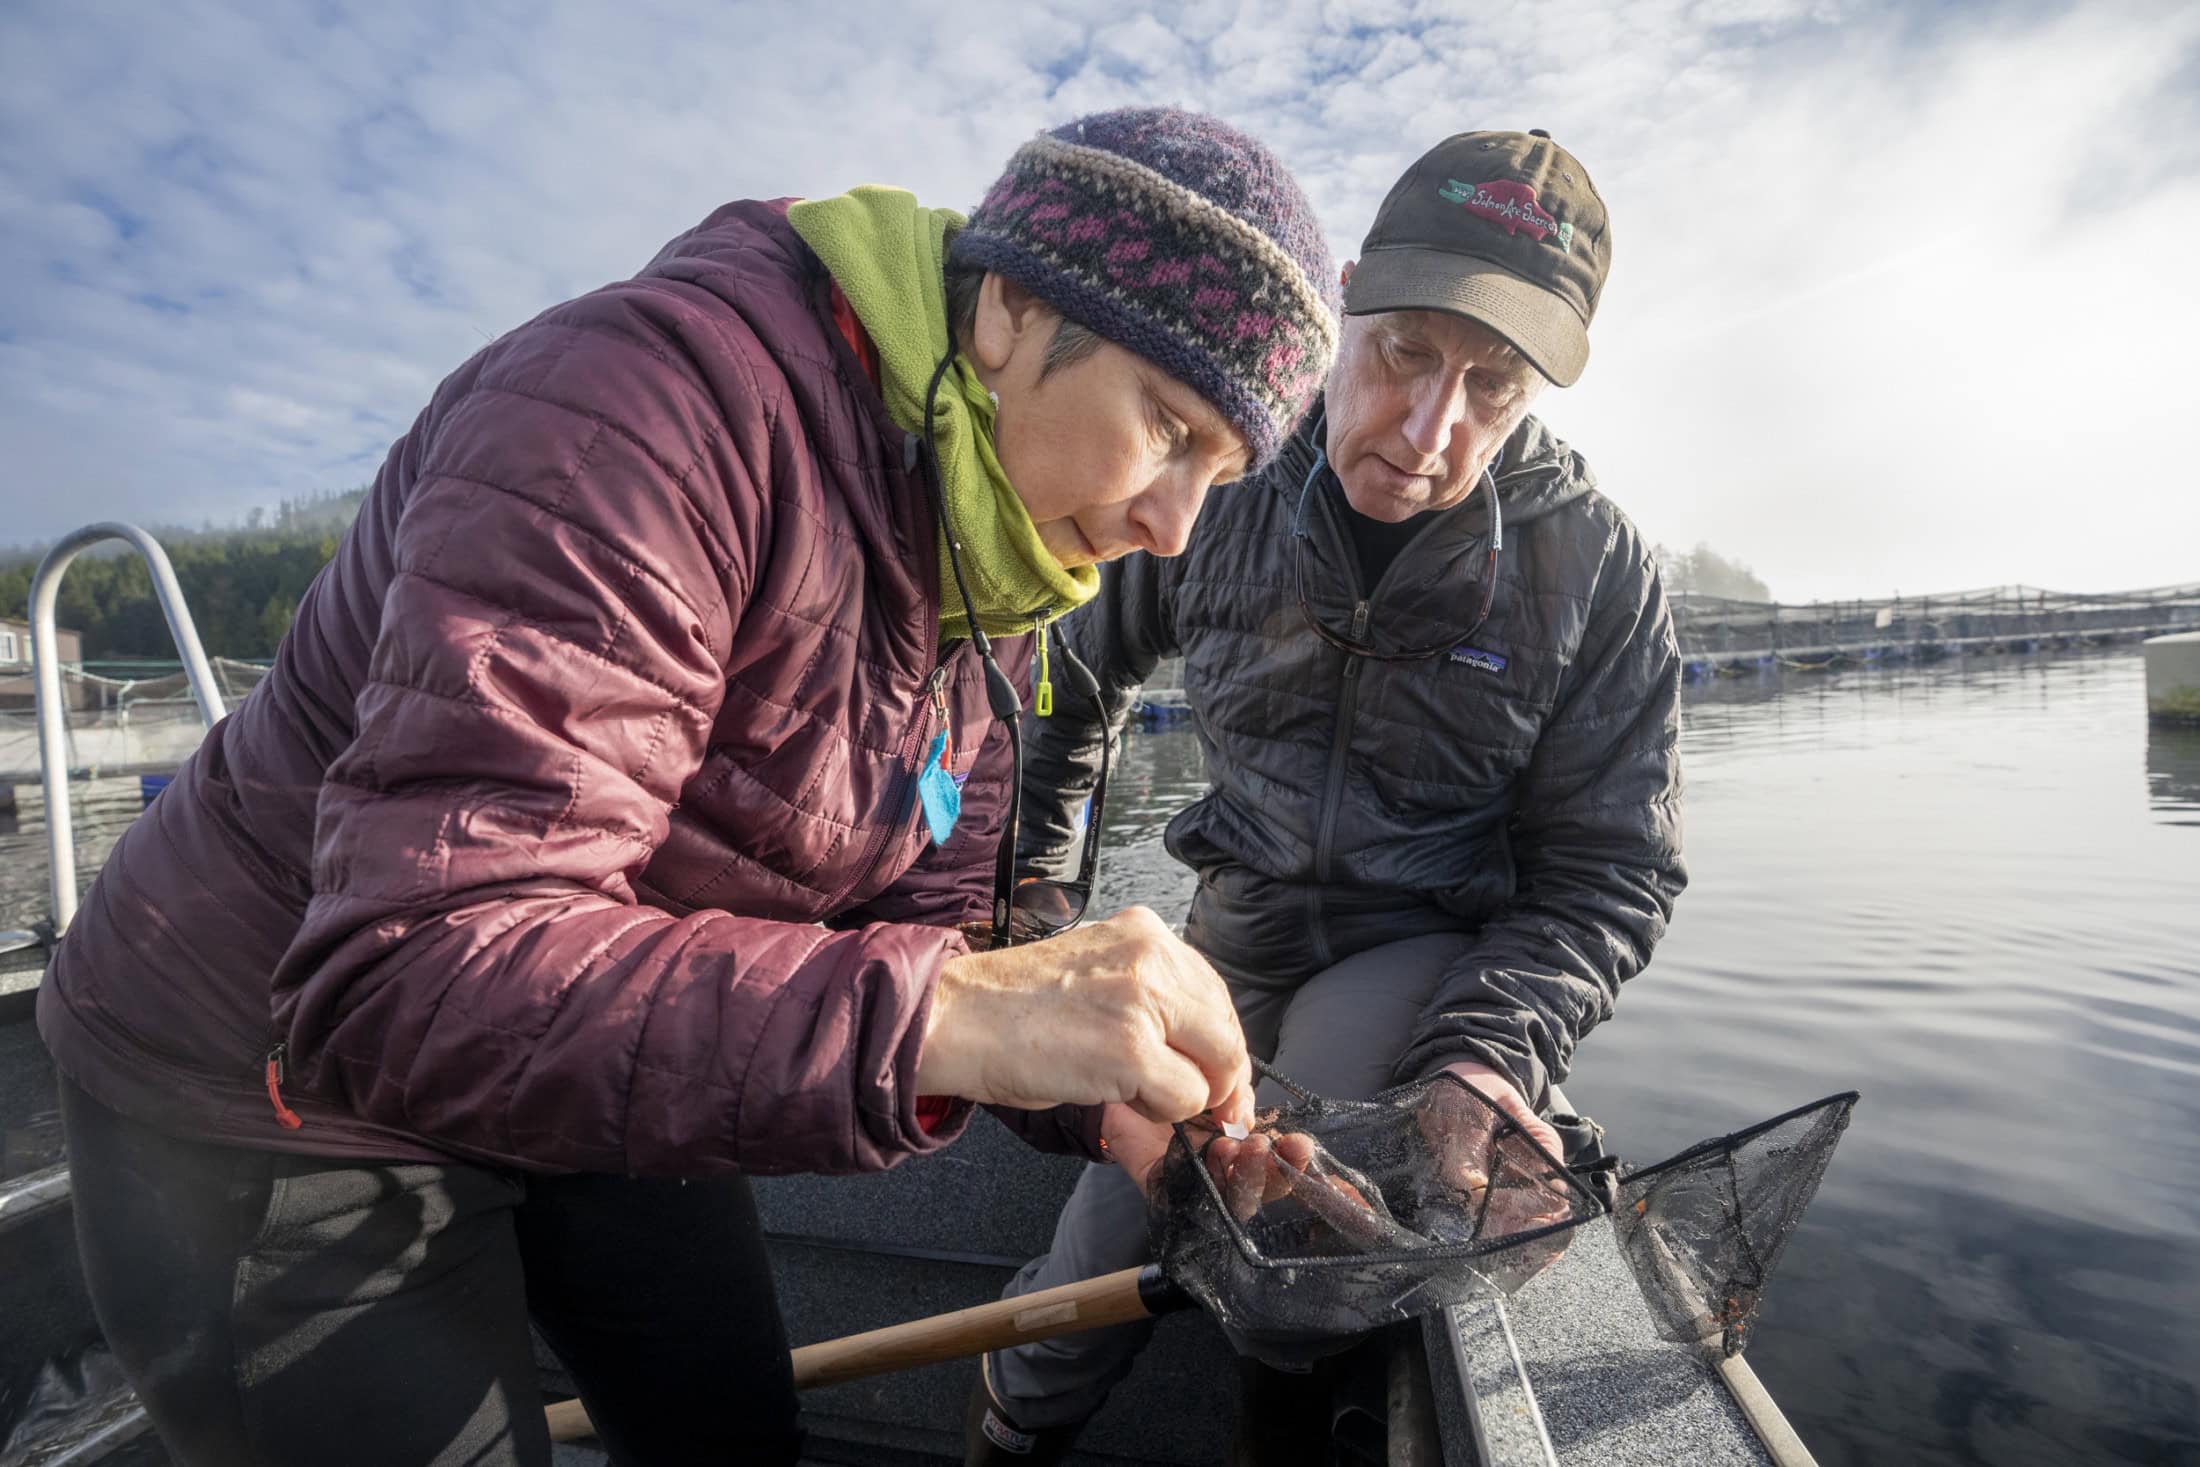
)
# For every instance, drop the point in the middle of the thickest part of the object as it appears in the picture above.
(241, 582)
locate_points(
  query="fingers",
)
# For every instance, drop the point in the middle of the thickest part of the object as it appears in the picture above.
(1120, 1011)
(1236, 1109)
(1258, 1170)
(1137, 1145)
(1203, 1027)
(1300, 1158)
(1245, 1173)
(1234, 1092)
(1508, 1100)
(1169, 1087)
(1191, 1005)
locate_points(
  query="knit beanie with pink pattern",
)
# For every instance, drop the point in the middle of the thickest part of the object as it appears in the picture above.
(1179, 238)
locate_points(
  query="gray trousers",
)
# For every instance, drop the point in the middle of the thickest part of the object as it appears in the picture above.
(1340, 1035)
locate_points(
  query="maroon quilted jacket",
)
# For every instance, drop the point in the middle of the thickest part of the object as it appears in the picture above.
(575, 826)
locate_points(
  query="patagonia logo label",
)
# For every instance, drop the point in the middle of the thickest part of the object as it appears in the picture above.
(1476, 657)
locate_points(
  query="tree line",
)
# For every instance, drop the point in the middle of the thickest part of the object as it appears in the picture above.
(1708, 573)
(242, 583)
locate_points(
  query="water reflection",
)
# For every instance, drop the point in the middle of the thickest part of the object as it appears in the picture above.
(2173, 773)
(1157, 775)
(100, 811)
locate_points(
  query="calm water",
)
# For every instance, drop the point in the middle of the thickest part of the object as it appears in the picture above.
(1971, 892)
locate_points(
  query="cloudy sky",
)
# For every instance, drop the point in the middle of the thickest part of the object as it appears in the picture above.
(1904, 295)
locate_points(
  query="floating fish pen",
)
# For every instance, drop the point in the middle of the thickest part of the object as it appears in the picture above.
(122, 718)
(1721, 637)
(1724, 638)
(1163, 708)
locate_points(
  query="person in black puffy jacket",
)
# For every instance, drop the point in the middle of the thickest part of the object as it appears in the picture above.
(1435, 681)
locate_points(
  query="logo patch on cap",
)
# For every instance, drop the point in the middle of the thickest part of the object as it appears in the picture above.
(1510, 203)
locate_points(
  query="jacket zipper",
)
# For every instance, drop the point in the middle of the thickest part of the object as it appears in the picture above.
(277, 1071)
(1348, 698)
(891, 830)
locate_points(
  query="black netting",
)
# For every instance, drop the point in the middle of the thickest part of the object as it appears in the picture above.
(1702, 1231)
(1335, 1217)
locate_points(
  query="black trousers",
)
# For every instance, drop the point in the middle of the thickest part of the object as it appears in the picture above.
(275, 1309)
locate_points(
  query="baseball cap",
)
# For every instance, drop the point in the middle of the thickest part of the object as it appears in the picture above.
(1503, 228)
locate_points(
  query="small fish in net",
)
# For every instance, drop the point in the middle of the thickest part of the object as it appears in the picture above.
(1331, 1218)
(1334, 1217)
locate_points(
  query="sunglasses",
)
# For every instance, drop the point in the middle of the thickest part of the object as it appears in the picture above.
(1351, 643)
(1033, 910)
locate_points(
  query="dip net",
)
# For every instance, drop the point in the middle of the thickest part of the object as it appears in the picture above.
(1702, 1231)
(1333, 1218)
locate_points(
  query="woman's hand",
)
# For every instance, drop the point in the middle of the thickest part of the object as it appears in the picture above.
(1135, 1144)
(1119, 1011)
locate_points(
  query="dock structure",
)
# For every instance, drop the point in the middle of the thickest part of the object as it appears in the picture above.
(2173, 678)
(144, 745)
(124, 719)
(1722, 637)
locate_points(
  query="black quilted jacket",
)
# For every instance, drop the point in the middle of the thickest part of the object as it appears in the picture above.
(1521, 784)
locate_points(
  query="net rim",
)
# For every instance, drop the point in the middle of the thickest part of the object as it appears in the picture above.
(1250, 1254)
(1733, 1140)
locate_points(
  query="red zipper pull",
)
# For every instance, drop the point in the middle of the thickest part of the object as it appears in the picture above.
(283, 1113)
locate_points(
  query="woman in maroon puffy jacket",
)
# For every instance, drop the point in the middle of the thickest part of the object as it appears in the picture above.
(605, 826)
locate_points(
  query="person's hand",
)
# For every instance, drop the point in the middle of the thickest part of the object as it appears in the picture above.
(1245, 1171)
(1136, 1144)
(1119, 1011)
(1498, 1087)
(1463, 1137)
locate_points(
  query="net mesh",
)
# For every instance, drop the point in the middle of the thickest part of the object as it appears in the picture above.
(1335, 1217)
(1702, 1231)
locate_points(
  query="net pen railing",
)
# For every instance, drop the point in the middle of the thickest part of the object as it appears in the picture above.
(2014, 617)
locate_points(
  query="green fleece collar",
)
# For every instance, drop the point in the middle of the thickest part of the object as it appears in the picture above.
(888, 255)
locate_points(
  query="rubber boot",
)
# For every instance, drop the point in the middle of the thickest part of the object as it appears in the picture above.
(991, 1438)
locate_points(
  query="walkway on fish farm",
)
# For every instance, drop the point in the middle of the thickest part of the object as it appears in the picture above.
(1724, 637)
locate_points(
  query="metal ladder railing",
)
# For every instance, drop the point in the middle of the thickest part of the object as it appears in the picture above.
(53, 728)
(26, 1197)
